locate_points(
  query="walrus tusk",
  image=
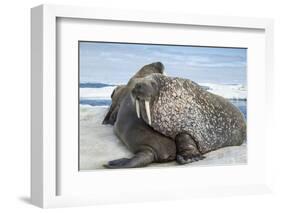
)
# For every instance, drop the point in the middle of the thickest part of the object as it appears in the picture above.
(147, 110)
(132, 98)
(138, 108)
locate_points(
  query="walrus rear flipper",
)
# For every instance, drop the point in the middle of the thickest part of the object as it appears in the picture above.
(187, 149)
(140, 159)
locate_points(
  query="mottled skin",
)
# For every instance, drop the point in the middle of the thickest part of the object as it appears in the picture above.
(148, 145)
(198, 120)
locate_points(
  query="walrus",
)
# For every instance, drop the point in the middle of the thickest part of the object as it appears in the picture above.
(197, 120)
(148, 145)
(122, 90)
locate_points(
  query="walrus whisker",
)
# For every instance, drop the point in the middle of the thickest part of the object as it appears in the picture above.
(147, 110)
(138, 108)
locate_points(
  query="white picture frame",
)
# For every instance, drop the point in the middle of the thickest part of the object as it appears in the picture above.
(45, 170)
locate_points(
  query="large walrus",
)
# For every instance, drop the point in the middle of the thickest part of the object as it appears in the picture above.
(148, 145)
(196, 119)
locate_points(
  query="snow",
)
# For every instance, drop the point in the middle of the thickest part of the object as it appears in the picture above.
(98, 145)
(96, 93)
(229, 91)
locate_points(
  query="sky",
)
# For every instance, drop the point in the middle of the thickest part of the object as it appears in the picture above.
(115, 63)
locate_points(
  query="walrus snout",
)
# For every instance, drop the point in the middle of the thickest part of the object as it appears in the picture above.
(142, 92)
(147, 108)
(146, 91)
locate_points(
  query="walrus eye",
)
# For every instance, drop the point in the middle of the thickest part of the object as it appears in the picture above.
(154, 85)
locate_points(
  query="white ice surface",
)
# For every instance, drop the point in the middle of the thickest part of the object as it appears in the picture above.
(235, 91)
(98, 144)
(96, 93)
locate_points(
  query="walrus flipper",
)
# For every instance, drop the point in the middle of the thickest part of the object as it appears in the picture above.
(140, 159)
(187, 151)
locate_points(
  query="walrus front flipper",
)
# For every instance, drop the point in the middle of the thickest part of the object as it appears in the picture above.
(187, 151)
(140, 159)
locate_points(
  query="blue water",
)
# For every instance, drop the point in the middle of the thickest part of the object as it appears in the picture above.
(240, 104)
(95, 85)
(96, 102)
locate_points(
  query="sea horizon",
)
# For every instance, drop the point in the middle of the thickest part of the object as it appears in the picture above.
(97, 94)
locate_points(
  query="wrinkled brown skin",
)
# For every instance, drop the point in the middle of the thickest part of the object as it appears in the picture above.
(148, 145)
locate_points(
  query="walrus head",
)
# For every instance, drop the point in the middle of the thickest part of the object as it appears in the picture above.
(121, 91)
(156, 67)
(144, 92)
